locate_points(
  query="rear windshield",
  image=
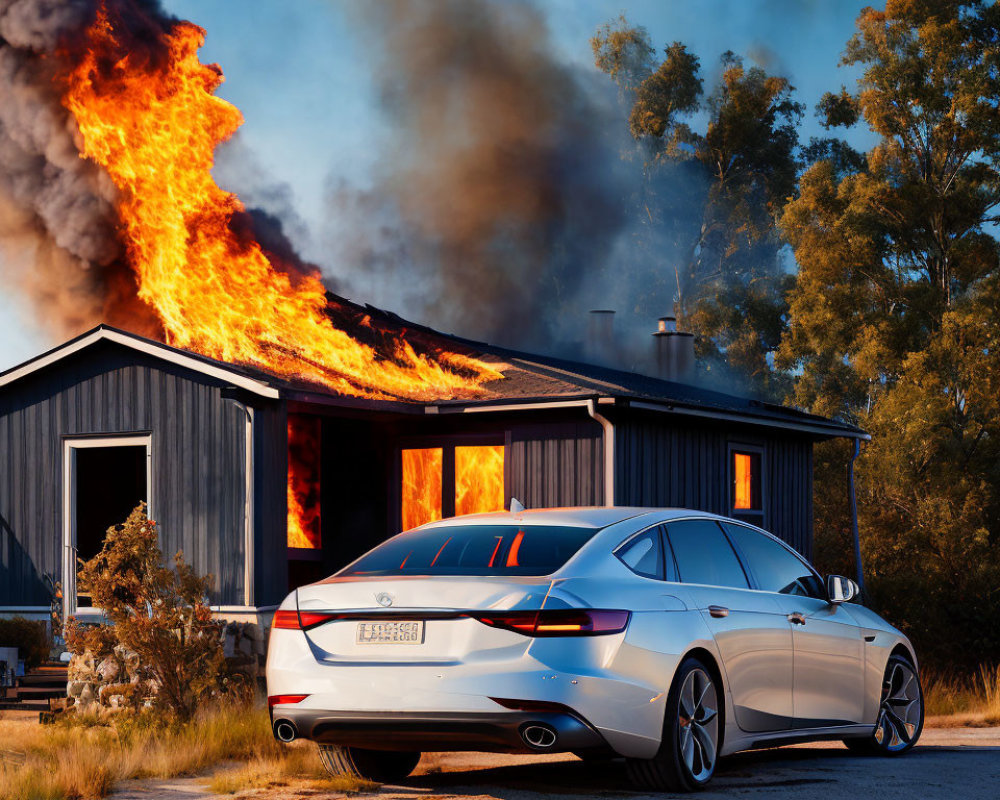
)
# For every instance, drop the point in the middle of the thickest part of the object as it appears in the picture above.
(474, 550)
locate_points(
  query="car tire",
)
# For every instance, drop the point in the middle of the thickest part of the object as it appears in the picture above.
(900, 716)
(692, 734)
(381, 766)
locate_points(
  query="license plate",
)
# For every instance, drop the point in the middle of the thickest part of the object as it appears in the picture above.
(390, 632)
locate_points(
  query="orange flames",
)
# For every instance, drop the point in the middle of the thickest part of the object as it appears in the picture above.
(478, 486)
(304, 481)
(421, 495)
(478, 479)
(154, 124)
(743, 481)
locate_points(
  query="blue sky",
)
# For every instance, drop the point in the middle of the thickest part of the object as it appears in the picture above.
(300, 72)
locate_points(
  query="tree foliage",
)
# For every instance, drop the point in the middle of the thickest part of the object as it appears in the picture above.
(713, 193)
(893, 314)
(156, 612)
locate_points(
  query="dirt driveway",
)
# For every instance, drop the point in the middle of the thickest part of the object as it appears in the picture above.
(948, 764)
(961, 763)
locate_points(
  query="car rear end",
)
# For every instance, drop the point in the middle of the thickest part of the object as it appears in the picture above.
(450, 638)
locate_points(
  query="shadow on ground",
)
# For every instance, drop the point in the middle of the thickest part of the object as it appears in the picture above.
(932, 773)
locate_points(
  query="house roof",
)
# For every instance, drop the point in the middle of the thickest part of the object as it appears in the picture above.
(530, 381)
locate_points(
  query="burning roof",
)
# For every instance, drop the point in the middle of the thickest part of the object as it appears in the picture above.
(109, 125)
(146, 114)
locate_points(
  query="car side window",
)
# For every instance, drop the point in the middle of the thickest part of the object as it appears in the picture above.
(644, 554)
(776, 568)
(704, 555)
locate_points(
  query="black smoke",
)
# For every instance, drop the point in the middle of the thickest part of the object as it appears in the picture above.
(498, 201)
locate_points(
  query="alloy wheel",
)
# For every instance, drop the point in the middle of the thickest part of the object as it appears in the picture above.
(900, 709)
(698, 724)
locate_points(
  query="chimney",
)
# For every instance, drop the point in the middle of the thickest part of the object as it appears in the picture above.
(600, 345)
(674, 351)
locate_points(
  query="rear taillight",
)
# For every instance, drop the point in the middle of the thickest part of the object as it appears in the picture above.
(281, 699)
(557, 622)
(300, 620)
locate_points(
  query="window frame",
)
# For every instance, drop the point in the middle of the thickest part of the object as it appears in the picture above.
(758, 515)
(447, 442)
(748, 569)
(751, 580)
(668, 564)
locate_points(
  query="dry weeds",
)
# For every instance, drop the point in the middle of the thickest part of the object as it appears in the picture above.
(85, 758)
(952, 702)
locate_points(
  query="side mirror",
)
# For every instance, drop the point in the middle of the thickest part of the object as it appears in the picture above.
(840, 589)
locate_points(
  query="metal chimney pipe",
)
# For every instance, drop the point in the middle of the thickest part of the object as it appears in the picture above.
(674, 351)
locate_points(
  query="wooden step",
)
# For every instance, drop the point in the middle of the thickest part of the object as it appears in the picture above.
(39, 692)
(42, 679)
(27, 705)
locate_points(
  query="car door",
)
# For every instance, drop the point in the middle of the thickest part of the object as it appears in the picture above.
(750, 629)
(828, 684)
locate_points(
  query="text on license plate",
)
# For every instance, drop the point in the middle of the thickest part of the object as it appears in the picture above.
(390, 632)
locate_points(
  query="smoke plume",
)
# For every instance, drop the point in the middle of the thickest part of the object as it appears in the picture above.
(499, 198)
(58, 239)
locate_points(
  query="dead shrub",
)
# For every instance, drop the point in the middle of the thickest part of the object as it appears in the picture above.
(158, 614)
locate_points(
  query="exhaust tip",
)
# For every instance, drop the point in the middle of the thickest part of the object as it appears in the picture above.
(284, 731)
(538, 736)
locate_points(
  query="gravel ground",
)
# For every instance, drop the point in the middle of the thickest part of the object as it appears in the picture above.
(948, 764)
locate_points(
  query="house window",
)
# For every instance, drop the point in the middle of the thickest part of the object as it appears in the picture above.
(746, 493)
(304, 531)
(450, 480)
(421, 492)
(478, 479)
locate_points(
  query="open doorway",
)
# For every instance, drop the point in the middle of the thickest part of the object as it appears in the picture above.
(105, 479)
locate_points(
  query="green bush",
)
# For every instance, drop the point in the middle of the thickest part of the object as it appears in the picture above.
(31, 639)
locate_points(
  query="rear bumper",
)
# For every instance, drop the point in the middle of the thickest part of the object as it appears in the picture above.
(499, 732)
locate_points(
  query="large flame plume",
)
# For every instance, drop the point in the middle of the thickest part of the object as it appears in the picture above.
(151, 120)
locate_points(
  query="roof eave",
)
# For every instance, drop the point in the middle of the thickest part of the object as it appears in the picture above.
(206, 367)
(822, 429)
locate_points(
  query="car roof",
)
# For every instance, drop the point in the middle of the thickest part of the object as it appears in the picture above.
(583, 516)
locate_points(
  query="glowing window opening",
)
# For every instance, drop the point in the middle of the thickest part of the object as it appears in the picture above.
(479, 479)
(747, 482)
(421, 490)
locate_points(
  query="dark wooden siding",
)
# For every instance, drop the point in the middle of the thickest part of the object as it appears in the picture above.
(197, 463)
(673, 461)
(556, 463)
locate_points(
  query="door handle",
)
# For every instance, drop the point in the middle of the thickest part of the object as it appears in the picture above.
(718, 611)
(797, 618)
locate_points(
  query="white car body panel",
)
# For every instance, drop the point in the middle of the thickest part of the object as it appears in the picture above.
(776, 679)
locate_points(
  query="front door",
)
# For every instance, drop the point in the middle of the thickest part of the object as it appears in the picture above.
(106, 478)
(829, 684)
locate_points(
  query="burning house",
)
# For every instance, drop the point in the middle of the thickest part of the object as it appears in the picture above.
(276, 431)
(268, 482)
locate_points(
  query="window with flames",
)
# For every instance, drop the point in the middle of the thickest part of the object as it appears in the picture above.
(304, 532)
(746, 485)
(450, 480)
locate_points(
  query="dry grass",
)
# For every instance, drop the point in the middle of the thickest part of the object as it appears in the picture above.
(300, 767)
(951, 701)
(84, 758)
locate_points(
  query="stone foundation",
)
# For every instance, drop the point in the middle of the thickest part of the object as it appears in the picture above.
(112, 683)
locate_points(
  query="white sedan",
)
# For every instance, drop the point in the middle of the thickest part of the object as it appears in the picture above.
(664, 636)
